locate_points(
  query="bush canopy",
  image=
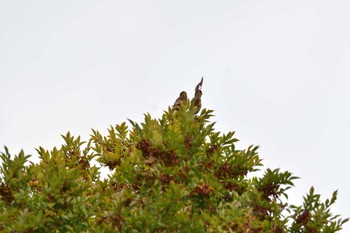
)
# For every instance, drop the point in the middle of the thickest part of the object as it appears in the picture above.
(172, 174)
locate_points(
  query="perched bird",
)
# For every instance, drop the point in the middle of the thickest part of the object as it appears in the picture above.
(182, 98)
(196, 101)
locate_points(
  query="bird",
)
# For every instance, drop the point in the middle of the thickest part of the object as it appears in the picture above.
(196, 102)
(179, 100)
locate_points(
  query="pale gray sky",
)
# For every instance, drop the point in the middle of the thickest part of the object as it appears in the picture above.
(276, 72)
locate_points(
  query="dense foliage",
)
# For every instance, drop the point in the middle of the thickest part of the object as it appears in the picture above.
(173, 174)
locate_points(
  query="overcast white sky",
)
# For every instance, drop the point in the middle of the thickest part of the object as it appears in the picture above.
(276, 72)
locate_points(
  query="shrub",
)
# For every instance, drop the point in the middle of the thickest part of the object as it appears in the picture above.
(173, 174)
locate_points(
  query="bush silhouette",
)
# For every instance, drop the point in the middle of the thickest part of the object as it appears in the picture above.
(173, 174)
